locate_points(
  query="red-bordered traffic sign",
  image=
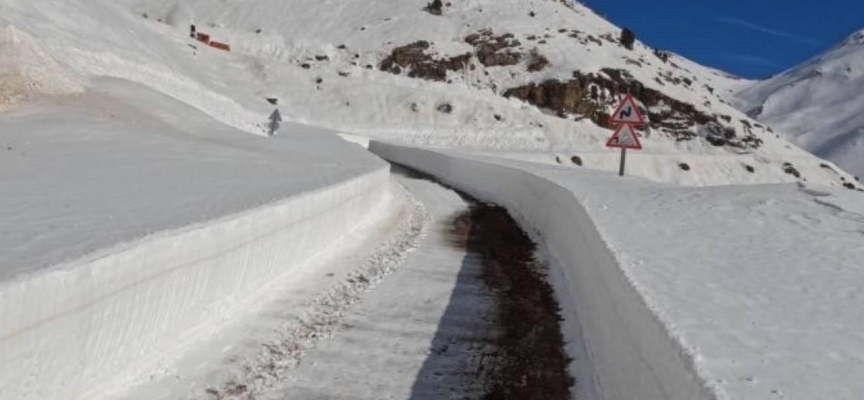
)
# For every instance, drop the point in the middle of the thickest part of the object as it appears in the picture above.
(625, 138)
(627, 113)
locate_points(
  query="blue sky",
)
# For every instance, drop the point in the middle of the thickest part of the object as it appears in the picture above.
(753, 39)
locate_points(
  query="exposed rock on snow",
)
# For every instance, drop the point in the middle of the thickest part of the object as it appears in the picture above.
(592, 95)
(419, 64)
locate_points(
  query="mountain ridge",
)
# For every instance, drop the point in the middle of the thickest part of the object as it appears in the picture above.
(818, 104)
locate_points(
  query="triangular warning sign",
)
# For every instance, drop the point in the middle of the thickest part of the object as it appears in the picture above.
(625, 138)
(627, 113)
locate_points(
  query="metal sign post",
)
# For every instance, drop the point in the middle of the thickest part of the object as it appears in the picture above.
(627, 116)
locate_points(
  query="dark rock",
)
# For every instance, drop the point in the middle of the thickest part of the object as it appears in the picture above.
(576, 160)
(532, 14)
(445, 108)
(305, 66)
(414, 58)
(790, 169)
(434, 8)
(321, 58)
(684, 166)
(591, 95)
(272, 100)
(662, 55)
(849, 186)
(341, 47)
(538, 61)
(628, 38)
(472, 38)
(749, 168)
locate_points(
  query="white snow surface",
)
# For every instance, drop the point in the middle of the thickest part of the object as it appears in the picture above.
(28, 72)
(262, 345)
(134, 171)
(735, 292)
(275, 38)
(122, 162)
(818, 105)
(133, 224)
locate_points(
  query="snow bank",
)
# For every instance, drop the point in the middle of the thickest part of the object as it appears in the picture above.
(728, 292)
(632, 354)
(65, 331)
(130, 223)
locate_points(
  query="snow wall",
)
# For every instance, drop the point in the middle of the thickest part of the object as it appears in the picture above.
(631, 353)
(68, 330)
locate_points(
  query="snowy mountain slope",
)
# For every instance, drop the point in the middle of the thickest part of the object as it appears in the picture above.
(327, 64)
(322, 61)
(818, 105)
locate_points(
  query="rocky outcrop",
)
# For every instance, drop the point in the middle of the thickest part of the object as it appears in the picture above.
(419, 64)
(491, 51)
(592, 95)
(494, 51)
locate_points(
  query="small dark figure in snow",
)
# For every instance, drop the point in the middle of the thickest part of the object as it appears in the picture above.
(192, 31)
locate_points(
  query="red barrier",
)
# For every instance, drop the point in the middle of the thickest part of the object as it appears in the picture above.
(220, 46)
(203, 38)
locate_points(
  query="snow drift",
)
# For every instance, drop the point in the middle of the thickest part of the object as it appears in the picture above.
(632, 355)
(133, 223)
(735, 292)
(91, 320)
(27, 72)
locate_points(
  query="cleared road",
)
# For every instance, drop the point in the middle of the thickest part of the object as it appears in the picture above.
(468, 315)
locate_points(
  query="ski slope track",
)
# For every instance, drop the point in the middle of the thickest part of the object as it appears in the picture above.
(674, 310)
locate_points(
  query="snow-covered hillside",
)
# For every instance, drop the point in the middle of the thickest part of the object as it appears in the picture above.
(818, 105)
(354, 69)
(325, 63)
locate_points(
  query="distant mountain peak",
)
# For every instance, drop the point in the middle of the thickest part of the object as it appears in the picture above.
(856, 39)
